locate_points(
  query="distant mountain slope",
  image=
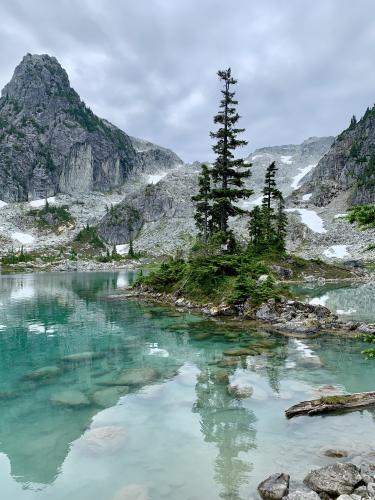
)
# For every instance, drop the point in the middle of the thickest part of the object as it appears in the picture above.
(51, 142)
(348, 166)
(294, 161)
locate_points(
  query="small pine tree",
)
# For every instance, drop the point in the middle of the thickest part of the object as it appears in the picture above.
(114, 251)
(270, 192)
(281, 224)
(131, 252)
(256, 228)
(202, 214)
(353, 122)
(228, 173)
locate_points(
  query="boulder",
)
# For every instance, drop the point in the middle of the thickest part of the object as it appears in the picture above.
(275, 487)
(82, 357)
(368, 473)
(109, 396)
(334, 480)
(136, 376)
(43, 373)
(107, 439)
(334, 453)
(302, 495)
(70, 399)
(239, 392)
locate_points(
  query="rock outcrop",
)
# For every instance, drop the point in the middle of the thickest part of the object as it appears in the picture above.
(349, 165)
(51, 142)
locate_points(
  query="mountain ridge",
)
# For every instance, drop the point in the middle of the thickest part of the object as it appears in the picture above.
(51, 142)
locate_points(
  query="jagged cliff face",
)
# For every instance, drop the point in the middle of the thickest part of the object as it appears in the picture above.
(348, 166)
(50, 142)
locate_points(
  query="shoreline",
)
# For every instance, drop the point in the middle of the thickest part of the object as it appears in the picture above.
(309, 320)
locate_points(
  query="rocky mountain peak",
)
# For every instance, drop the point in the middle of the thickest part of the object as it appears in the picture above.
(348, 166)
(37, 80)
(51, 142)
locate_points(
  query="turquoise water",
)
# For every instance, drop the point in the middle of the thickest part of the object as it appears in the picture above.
(353, 302)
(150, 413)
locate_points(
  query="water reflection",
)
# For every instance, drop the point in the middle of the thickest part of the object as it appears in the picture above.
(227, 424)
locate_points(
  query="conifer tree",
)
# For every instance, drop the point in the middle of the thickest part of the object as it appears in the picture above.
(267, 226)
(202, 214)
(256, 227)
(228, 173)
(270, 194)
(131, 249)
(281, 224)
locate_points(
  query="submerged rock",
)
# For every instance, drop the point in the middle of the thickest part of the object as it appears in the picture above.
(43, 373)
(108, 439)
(274, 487)
(70, 399)
(83, 357)
(132, 492)
(334, 453)
(240, 392)
(109, 396)
(334, 480)
(136, 376)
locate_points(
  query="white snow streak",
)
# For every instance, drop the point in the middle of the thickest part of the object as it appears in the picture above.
(23, 238)
(301, 174)
(3, 204)
(41, 203)
(306, 197)
(310, 218)
(286, 159)
(155, 178)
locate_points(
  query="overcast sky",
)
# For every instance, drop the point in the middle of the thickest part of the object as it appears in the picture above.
(149, 66)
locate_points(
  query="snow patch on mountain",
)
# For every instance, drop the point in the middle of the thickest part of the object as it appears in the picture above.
(310, 218)
(337, 251)
(23, 238)
(41, 203)
(301, 174)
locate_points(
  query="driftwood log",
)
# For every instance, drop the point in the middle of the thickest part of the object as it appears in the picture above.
(326, 404)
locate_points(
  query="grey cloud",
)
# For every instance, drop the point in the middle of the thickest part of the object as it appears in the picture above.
(150, 66)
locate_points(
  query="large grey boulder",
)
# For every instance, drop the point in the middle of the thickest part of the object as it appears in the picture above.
(368, 473)
(275, 487)
(302, 495)
(334, 480)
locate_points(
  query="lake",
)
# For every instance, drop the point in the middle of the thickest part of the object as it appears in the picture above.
(117, 400)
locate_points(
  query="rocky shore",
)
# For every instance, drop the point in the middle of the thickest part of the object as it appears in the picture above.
(287, 317)
(343, 481)
(82, 265)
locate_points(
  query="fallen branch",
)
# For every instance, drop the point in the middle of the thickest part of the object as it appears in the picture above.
(326, 404)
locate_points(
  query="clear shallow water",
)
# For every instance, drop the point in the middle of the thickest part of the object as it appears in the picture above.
(350, 302)
(178, 432)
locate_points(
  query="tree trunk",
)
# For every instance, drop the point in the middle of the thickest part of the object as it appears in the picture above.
(326, 404)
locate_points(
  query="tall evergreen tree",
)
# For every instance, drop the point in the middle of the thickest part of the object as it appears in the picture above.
(202, 214)
(270, 194)
(228, 173)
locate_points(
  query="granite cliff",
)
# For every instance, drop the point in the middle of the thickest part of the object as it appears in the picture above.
(51, 142)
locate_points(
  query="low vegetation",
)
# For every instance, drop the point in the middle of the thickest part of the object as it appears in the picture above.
(52, 217)
(370, 339)
(363, 215)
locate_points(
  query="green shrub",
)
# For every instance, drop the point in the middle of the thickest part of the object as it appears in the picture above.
(89, 236)
(363, 215)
